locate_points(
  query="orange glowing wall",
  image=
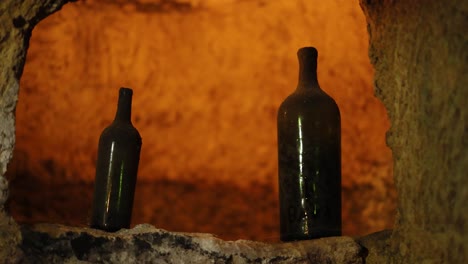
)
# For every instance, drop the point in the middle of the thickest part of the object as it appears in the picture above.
(208, 77)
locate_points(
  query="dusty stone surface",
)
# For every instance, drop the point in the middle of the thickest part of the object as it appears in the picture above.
(10, 238)
(207, 84)
(420, 55)
(377, 246)
(146, 244)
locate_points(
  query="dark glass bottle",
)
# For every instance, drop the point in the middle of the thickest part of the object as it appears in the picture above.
(116, 169)
(309, 155)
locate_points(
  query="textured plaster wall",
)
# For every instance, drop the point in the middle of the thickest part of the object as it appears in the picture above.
(208, 77)
(420, 55)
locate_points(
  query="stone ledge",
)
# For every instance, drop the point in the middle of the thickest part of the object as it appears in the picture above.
(50, 243)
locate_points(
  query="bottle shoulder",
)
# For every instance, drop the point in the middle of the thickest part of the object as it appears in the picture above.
(121, 130)
(309, 100)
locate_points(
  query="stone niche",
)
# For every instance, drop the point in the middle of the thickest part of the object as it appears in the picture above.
(217, 70)
(207, 86)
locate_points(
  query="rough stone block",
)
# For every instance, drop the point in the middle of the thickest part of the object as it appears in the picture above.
(47, 243)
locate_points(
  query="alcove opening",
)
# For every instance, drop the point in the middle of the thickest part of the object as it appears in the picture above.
(207, 78)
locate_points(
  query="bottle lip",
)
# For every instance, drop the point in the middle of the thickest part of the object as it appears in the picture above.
(307, 52)
(126, 91)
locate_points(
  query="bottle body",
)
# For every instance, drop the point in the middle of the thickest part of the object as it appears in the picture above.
(116, 170)
(309, 161)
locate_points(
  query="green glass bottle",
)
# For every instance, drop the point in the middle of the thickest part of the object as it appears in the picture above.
(116, 169)
(309, 156)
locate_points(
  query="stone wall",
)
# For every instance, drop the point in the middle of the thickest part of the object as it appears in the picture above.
(419, 50)
(17, 20)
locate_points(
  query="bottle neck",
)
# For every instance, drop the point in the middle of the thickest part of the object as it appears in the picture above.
(307, 67)
(124, 106)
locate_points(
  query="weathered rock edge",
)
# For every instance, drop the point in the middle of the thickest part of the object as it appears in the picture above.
(17, 19)
(51, 243)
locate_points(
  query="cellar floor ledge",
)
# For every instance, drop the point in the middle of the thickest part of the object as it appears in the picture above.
(53, 243)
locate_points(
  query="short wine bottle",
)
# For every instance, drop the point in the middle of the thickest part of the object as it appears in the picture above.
(309, 156)
(116, 169)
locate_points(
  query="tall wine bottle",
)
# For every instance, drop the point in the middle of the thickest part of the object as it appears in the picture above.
(116, 169)
(309, 156)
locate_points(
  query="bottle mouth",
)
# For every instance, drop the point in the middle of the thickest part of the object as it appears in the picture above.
(126, 91)
(309, 52)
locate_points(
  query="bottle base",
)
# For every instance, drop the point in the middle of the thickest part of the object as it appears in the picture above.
(313, 235)
(107, 228)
